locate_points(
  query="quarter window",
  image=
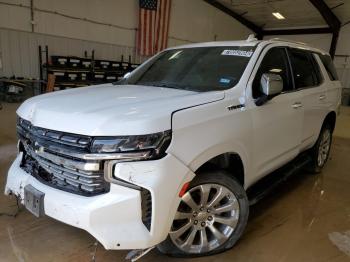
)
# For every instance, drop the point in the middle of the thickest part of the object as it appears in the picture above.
(275, 61)
(328, 64)
(304, 71)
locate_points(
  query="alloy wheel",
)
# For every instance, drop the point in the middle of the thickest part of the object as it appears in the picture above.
(207, 216)
(324, 147)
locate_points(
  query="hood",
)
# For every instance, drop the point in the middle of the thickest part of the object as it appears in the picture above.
(110, 110)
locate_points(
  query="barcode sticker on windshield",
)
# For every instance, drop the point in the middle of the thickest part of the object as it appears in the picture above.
(237, 53)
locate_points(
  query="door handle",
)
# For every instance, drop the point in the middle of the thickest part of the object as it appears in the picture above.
(322, 97)
(297, 105)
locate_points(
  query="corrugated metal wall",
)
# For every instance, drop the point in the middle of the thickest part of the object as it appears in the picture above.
(19, 51)
(109, 27)
(342, 65)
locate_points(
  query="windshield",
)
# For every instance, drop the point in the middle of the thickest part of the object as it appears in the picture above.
(196, 69)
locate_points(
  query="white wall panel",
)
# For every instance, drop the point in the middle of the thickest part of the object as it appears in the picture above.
(62, 26)
(190, 21)
(197, 21)
(19, 51)
(343, 47)
(116, 13)
(343, 62)
(15, 17)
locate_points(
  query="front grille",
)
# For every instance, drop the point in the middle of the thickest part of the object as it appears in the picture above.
(49, 157)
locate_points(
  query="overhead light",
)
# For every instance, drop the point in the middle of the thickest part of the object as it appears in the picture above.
(278, 16)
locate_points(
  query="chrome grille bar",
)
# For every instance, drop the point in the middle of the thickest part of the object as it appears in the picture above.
(59, 160)
(67, 163)
(71, 172)
(86, 166)
(77, 142)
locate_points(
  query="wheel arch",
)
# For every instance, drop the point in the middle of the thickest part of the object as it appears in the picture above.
(229, 161)
(330, 119)
(235, 162)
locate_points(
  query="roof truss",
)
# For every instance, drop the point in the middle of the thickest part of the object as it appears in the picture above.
(331, 19)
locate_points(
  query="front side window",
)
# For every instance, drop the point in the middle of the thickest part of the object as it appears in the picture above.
(275, 61)
(304, 71)
(196, 69)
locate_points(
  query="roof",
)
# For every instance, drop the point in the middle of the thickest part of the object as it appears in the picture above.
(218, 43)
(252, 43)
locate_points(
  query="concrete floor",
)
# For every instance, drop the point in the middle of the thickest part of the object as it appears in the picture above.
(306, 219)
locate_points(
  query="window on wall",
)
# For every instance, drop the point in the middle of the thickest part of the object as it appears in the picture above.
(305, 72)
(275, 61)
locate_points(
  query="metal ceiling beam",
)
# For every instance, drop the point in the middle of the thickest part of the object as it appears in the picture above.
(332, 21)
(327, 14)
(334, 42)
(334, 7)
(301, 31)
(255, 28)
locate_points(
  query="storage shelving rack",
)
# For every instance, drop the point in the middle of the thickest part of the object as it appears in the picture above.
(72, 71)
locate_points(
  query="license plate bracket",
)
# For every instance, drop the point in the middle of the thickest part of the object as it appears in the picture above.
(34, 201)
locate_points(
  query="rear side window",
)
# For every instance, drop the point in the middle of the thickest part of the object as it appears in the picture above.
(305, 70)
(317, 69)
(328, 64)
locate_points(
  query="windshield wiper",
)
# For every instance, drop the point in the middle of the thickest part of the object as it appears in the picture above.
(163, 84)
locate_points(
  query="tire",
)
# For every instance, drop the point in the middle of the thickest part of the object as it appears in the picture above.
(320, 151)
(209, 220)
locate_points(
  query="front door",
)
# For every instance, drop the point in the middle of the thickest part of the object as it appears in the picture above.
(277, 124)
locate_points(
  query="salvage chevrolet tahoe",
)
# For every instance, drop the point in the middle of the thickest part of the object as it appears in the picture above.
(166, 156)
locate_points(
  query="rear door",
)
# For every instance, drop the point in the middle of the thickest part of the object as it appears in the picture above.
(334, 86)
(311, 86)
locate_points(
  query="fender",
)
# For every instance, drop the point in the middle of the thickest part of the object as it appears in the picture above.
(233, 148)
(210, 130)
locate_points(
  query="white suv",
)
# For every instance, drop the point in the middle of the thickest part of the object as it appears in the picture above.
(167, 155)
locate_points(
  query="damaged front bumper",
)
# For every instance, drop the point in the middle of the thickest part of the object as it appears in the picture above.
(115, 218)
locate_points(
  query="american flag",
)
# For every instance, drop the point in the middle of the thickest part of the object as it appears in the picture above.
(152, 34)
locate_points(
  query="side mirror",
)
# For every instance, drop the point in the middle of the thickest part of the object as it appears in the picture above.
(126, 75)
(271, 84)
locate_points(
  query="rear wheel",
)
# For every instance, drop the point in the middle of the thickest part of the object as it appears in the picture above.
(320, 151)
(210, 218)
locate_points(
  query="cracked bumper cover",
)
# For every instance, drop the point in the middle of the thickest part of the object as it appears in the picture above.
(114, 218)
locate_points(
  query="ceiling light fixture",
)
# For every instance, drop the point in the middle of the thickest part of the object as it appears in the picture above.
(278, 15)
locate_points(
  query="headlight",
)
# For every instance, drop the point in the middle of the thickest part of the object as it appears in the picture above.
(155, 143)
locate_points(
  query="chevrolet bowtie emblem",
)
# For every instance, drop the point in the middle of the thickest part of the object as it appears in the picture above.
(38, 148)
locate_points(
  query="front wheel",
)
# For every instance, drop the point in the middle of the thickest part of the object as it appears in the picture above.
(210, 218)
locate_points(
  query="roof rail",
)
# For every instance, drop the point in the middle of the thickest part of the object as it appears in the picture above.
(287, 40)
